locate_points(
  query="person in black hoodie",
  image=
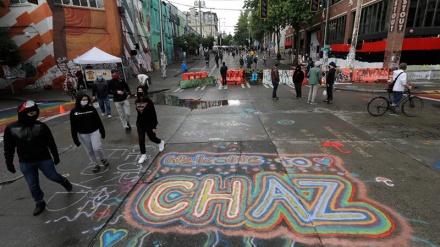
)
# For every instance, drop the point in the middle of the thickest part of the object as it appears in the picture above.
(121, 93)
(298, 78)
(85, 122)
(146, 121)
(35, 144)
(329, 81)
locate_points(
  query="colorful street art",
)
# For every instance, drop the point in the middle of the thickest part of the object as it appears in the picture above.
(260, 197)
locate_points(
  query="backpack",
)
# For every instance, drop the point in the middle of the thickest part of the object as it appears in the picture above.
(391, 85)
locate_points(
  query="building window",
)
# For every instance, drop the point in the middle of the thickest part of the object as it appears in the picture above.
(336, 28)
(424, 13)
(96, 4)
(17, 1)
(374, 18)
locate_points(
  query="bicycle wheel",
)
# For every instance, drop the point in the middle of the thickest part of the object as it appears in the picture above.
(412, 106)
(378, 106)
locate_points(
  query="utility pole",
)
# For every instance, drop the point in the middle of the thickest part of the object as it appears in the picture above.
(325, 51)
(200, 17)
(160, 26)
(352, 52)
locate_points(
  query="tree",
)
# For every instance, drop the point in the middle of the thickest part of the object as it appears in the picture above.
(9, 52)
(242, 29)
(208, 42)
(299, 17)
(188, 43)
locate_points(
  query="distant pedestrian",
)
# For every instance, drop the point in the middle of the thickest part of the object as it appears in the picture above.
(248, 61)
(241, 61)
(329, 82)
(223, 72)
(163, 64)
(85, 123)
(35, 144)
(80, 78)
(146, 122)
(207, 59)
(264, 59)
(216, 58)
(256, 61)
(275, 76)
(100, 91)
(143, 80)
(221, 56)
(314, 80)
(298, 78)
(121, 93)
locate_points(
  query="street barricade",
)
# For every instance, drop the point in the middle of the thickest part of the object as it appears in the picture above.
(234, 76)
(194, 75)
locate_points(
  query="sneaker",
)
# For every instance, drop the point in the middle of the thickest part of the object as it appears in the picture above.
(308, 102)
(326, 100)
(102, 114)
(161, 146)
(67, 185)
(105, 162)
(39, 208)
(329, 102)
(393, 113)
(96, 169)
(142, 158)
(276, 98)
(109, 116)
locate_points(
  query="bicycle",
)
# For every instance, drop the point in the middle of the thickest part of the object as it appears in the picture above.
(410, 105)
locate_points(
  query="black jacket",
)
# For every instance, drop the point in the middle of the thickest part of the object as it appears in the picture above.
(33, 142)
(330, 79)
(100, 89)
(223, 70)
(115, 85)
(298, 76)
(84, 120)
(146, 112)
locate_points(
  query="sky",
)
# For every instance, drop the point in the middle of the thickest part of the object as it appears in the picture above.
(227, 11)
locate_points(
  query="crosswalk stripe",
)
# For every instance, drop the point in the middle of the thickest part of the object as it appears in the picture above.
(242, 85)
(266, 86)
(202, 88)
(175, 91)
(271, 86)
(247, 84)
(220, 86)
(181, 90)
(290, 85)
(197, 88)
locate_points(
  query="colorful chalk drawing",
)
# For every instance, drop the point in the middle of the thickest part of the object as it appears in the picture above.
(285, 198)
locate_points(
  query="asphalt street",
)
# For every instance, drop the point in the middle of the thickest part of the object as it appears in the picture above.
(238, 169)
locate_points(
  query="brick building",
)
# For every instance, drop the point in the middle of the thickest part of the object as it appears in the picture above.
(390, 31)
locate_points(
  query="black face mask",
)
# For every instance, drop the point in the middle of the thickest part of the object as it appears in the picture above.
(140, 95)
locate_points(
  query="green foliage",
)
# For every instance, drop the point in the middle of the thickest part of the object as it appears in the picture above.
(242, 29)
(228, 40)
(208, 42)
(9, 52)
(188, 43)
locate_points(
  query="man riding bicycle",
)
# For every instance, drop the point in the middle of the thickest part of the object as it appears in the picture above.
(400, 77)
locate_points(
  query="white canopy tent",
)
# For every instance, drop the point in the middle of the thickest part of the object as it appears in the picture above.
(97, 56)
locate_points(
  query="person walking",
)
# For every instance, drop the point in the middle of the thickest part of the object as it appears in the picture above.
(256, 61)
(275, 76)
(330, 81)
(315, 78)
(248, 61)
(216, 58)
(100, 93)
(35, 144)
(146, 122)
(400, 83)
(85, 123)
(207, 59)
(264, 59)
(221, 57)
(143, 80)
(80, 79)
(298, 78)
(121, 93)
(241, 61)
(223, 72)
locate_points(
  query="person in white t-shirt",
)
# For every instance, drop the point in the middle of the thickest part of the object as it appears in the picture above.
(399, 86)
(143, 80)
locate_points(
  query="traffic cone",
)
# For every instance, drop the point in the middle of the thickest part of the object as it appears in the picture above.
(62, 109)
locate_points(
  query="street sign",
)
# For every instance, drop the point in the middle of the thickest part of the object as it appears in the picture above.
(264, 9)
(33, 1)
(314, 5)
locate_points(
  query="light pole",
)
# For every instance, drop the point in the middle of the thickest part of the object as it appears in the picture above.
(162, 56)
(352, 52)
